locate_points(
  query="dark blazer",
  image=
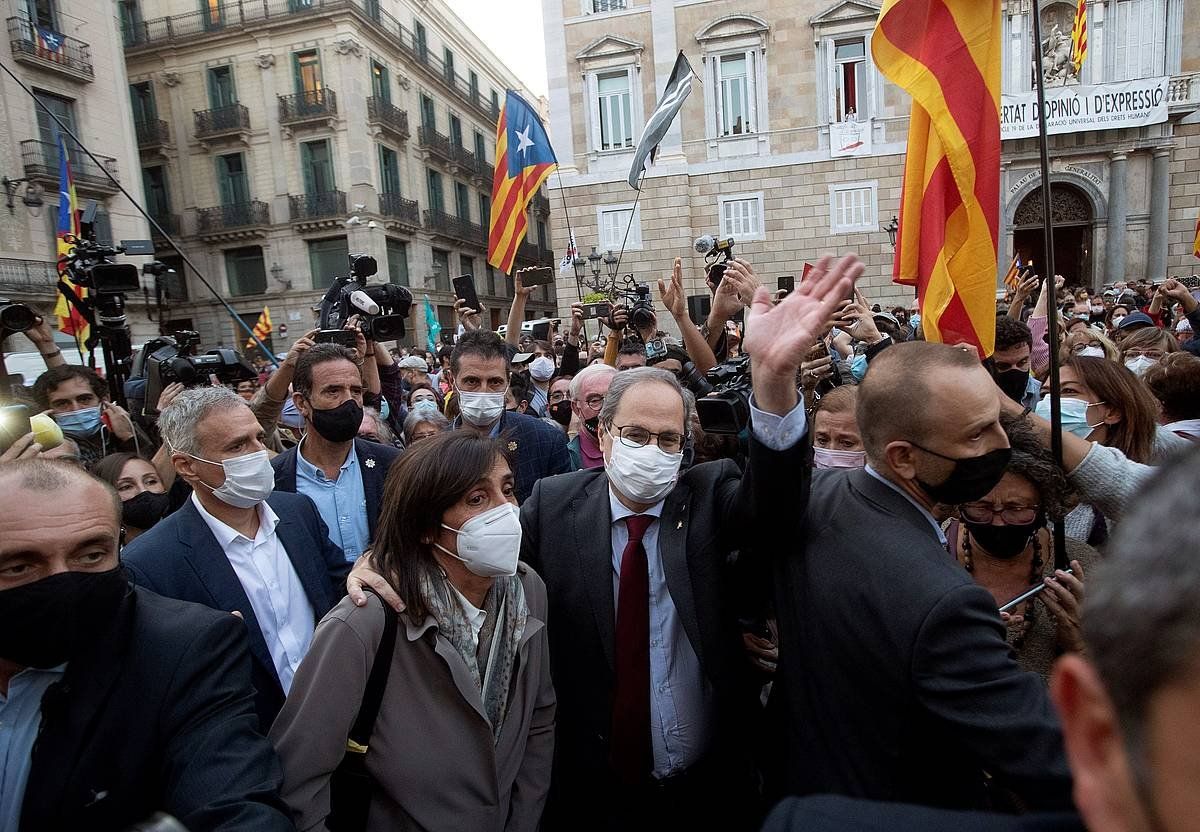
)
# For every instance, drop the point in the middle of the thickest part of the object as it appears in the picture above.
(373, 476)
(894, 669)
(567, 538)
(536, 448)
(157, 715)
(829, 813)
(180, 558)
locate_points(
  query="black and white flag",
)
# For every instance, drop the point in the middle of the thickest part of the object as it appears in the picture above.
(676, 92)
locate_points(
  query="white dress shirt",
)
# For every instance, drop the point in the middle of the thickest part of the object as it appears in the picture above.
(277, 598)
(475, 616)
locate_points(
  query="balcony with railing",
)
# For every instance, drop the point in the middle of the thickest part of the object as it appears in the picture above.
(532, 254)
(308, 106)
(44, 48)
(169, 224)
(327, 205)
(152, 135)
(397, 210)
(451, 227)
(388, 117)
(435, 144)
(27, 276)
(541, 204)
(463, 158)
(234, 16)
(219, 122)
(238, 220)
(40, 160)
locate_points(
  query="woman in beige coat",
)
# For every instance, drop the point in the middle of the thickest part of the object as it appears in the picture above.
(464, 738)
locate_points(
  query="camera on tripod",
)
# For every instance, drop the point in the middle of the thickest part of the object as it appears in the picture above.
(169, 359)
(381, 309)
(727, 408)
(717, 254)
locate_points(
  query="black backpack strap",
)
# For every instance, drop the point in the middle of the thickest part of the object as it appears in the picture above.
(364, 723)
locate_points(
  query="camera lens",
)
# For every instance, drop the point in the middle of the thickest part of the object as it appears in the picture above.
(17, 317)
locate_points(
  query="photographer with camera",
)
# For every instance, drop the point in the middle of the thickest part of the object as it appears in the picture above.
(42, 337)
(78, 400)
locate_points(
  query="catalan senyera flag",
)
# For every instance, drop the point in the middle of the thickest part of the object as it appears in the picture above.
(1196, 242)
(946, 55)
(70, 321)
(262, 328)
(524, 159)
(1012, 278)
(1079, 39)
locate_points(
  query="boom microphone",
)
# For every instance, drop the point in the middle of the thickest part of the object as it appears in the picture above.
(705, 244)
(363, 302)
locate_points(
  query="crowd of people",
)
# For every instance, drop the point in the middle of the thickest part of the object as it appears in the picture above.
(523, 583)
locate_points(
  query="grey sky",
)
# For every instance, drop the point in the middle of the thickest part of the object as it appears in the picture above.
(513, 30)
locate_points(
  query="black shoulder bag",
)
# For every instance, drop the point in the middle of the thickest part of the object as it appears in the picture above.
(351, 784)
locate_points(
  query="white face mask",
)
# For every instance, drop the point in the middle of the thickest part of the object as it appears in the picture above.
(1091, 352)
(645, 474)
(830, 458)
(249, 479)
(1138, 366)
(541, 368)
(489, 544)
(480, 409)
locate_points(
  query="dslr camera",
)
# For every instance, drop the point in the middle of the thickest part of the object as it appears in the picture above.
(727, 408)
(170, 359)
(382, 308)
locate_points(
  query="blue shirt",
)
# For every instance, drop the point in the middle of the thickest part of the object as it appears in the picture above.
(937, 527)
(342, 503)
(20, 718)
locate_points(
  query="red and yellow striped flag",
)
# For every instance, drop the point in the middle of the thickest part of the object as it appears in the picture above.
(1012, 279)
(1196, 242)
(1079, 36)
(262, 329)
(946, 54)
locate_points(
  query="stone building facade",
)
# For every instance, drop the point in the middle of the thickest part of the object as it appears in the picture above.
(278, 137)
(793, 143)
(70, 56)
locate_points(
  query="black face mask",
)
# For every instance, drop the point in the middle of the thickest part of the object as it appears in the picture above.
(144, 510)
(1013, 383)
(50, 621)
(561, 412)
(592, 426)
(338, 424)
(1003, 542)
(971, 478)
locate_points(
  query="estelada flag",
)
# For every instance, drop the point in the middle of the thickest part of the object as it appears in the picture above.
(70, 321)
(1012, 278)
(1079, 40)
(524, 159)
(262, 329)
(946, 54)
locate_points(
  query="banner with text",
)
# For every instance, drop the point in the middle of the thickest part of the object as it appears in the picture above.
(1077, 108)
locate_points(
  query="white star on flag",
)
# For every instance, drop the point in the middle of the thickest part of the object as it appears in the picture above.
(523, 140)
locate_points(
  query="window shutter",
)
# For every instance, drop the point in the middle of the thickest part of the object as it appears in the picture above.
(593, 97)
(831, 86)
(752, 90)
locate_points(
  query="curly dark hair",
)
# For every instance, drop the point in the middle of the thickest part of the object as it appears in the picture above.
(49, 380)
(1033, 461)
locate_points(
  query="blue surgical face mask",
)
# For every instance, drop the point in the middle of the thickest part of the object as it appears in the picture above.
(1074, 415)
(858, 367)
(82, 422)
(385, 409)
(425, 404)
(915, 319)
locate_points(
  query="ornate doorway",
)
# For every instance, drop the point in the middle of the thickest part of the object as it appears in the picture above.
(1071, 214)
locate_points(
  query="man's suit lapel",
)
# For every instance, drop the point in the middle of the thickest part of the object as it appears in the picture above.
(285, 470)
(592, 528)
(207, 559)
(672, 549)
(300, 548)
(368, 469)
(889, 501)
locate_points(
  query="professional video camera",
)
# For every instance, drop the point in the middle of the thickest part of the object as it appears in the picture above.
(15, 317)
(727, 408)
(717, 253)
(381, 308)
(169, 359)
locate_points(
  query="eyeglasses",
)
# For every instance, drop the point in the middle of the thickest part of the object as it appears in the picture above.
(1134, 352)
(557, 396)
(1013, 515)
(594, 401)
(636, 437)
(1080, 347)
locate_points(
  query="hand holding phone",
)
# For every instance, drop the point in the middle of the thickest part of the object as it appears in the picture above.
(537, 276)
(464, 290)
(347, 338)
(597, 310)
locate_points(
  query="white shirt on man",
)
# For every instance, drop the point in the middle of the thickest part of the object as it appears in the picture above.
(277, 598)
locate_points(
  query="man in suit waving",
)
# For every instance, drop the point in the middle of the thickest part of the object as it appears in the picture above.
(235, 545)
(341, 474)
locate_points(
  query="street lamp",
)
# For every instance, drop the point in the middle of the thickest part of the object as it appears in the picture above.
(891, 228)
(597, 282)
(32, 198)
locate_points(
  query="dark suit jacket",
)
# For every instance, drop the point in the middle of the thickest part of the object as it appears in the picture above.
(536, 448)
(828, 813)
(895, 672)
(373, 476)
(157, 715)
(567, 538)
(180, 558)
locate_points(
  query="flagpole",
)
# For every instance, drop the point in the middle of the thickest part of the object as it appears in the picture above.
(628, 225)
(562, 195)
(1051, 290)
(154, 223)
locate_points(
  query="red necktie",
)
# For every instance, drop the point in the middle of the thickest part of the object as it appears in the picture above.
(632, 755)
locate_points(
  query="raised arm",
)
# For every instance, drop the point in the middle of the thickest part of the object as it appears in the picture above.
(693, 342)
(516, 313)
